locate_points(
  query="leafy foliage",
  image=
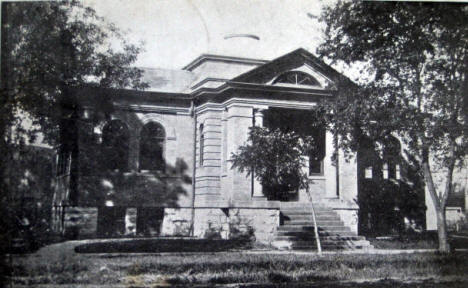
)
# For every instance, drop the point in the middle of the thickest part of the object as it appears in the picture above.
(413, 59)
(276, 158)
(50, 50)
(388, 202)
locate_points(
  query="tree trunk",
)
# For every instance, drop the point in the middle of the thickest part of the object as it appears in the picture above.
(439, 205)
(444, 246)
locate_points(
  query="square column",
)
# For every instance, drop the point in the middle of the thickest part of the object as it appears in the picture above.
(257, 186)
(238, 121)
(329, 166)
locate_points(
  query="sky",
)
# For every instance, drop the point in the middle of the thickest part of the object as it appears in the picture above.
(175, 32)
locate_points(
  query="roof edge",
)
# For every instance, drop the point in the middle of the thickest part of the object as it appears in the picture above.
(220, 58)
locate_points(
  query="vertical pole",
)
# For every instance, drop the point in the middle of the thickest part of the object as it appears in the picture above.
(317, 238)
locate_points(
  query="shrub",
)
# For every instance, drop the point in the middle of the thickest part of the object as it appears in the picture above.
(212, 232)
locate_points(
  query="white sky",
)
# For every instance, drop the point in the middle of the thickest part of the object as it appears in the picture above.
(177, 31)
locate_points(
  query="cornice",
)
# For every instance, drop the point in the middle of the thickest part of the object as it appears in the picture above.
(226, 59)
(153, 108)
(261, 87)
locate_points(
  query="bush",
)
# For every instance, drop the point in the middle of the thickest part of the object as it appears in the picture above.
(212, 232)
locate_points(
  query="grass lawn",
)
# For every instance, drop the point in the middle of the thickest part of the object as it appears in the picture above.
(58, 264)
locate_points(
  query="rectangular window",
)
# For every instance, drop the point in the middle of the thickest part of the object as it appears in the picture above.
(385, 171)
(315, 166)
(397, 172)
(368, 172)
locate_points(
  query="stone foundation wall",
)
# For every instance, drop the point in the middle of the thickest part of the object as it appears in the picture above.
(227, 222)
(211, 221)
(130, 221)
(176, 222)
(80, 222)
(264, 222)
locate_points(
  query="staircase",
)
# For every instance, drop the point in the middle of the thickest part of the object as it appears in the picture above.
(296, 230)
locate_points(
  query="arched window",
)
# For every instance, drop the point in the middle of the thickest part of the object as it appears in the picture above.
(115, 138)
(152, 138)
(296, 78)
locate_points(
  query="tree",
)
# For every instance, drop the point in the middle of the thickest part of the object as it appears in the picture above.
(49, 51)
(413, 60)
(276, 159)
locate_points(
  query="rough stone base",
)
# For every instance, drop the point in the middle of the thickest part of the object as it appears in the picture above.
(228, 223)
(130, 221)
(211, 223)
(224, 223)
(264, 222)
(80, 222)
(176, 222)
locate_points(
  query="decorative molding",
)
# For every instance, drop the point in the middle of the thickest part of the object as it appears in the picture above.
(154, 108)
(226, 59)
(153, 117)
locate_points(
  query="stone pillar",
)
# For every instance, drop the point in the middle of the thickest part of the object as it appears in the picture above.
(257, 186)
(208, 184)
(347, 177)
(239, 119)
(329, 166)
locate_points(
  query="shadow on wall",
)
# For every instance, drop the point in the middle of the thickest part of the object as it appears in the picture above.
(391, 191)
(135, 189)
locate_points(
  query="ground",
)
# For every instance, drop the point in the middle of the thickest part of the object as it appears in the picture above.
(59, 265)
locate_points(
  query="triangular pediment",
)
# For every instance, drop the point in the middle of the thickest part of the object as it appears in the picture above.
(299, 69)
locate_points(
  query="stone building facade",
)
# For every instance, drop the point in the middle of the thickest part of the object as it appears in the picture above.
(168, 149)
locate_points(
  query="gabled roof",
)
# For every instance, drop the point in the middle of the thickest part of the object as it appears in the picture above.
(292, 60)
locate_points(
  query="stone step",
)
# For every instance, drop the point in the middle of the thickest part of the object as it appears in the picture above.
(309, 218)
(311, 233)
(308, 213)
(329, 248)
(320, 223)
(312, 246)
(294, 205)
(297, 228)
(324, 242)
(311, 237)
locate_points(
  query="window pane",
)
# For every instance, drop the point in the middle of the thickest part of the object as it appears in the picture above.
(152, 147)
(115, 138)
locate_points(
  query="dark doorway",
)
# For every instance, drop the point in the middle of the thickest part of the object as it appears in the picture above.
(304, 123)
(111, 221)
(149, 221)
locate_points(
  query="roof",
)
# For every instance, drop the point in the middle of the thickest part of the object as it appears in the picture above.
(167, 80)
(287, 62)
(220, 58)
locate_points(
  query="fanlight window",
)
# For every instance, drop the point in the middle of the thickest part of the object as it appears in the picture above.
(115, 138)
(296, 78)
(152, 147)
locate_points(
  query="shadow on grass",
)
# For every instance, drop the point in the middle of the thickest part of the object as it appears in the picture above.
(161, 245)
